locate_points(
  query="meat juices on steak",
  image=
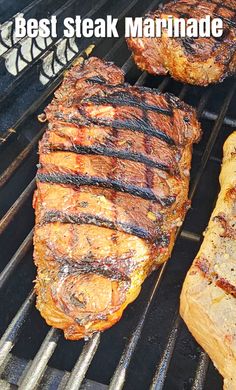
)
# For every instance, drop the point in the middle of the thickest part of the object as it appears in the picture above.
(199, 61)
(112, 187)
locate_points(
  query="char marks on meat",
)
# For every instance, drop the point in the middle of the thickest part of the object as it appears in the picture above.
(199, 61)
(208, 297)
(112, 187)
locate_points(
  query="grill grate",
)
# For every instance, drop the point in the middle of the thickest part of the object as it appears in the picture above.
(150, 347)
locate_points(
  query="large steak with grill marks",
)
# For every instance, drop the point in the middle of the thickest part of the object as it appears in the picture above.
(112, 188)
(199, 61)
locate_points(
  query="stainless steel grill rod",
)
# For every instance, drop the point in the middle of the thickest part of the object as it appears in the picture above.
(15, 260)
(161, 372)
(201, 372)
(11, 213)
(10, 336)
(38, 365)
(81, 367)
(119, 377)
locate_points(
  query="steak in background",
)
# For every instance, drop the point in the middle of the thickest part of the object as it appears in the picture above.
(199, 61)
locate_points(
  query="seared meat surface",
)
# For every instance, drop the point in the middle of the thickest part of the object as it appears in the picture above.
(208, 298)
(199, 61)
(112, 187)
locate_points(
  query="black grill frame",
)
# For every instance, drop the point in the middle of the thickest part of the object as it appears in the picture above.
(35, 372)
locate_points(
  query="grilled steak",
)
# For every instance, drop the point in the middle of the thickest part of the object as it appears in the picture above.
(208, 299)
(112, 187)
(197, 61)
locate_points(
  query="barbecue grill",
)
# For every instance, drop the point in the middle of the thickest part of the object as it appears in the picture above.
(150, 347)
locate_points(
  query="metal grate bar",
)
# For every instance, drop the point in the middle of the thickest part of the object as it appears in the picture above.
(36, 61)
(38, 365)
(161, 372)
(134, 339)
(201, 372)
(190, 236)
(24, 11)
(10, 336)
(129, 63)
(118, 379)
(163, 84)
(37, 103)
(141, 78)
(213, 116)
(81, 367)
(17, 79)
(11, 169)
(57, 80)
(203, 101)
(114, 48)
(160, 375)
(10, 214)
(50, 342)
(18, 256)
(212, 139)
(184, 91)
(54, 84)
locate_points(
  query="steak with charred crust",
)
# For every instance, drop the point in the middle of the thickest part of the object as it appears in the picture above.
(199, 61)
(112, 187)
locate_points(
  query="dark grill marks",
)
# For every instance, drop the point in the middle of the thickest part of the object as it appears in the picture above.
(225, 285)
(228, 230)
(79, 180)
(145, 110)
(114, 134)
(136, 124)
(111, 142)
(80, 224)
(230, 22)
(226, 31)
(204, 266)
(221, 5)
(87, 267)
(127, 99)
(148, 171)
(89, 219)
(187, 43)
(96, 80)
(105, 151)
(225, 34)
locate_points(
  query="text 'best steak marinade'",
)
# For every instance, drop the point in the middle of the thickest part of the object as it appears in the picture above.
(112, 188)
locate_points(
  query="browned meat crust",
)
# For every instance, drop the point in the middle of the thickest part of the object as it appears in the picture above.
(207, 303)
(112, 187)
(199, 61)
